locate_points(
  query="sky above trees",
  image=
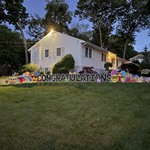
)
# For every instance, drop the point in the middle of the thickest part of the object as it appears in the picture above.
(38, 7)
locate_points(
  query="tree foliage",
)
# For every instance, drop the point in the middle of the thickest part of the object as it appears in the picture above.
(67, 63)
(13, 12)
(116, 45)
(146, 54)
(36, 27)
(108, 65)
(131, 16)
(57, 16)
(11, 48)
(135, 18)
(102, 14)
(81, 31)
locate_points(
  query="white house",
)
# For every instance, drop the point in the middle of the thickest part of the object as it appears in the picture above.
(139, 58)
(55, 45)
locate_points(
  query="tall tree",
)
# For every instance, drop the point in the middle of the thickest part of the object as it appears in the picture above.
(11, 48)
(81, 31)
(102, 14)
(116, 44)
(146, 54)
(15, 13)
(36, 27)
(57, 16)
(135, 18)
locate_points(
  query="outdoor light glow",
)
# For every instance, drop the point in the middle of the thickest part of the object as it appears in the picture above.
(51, 31)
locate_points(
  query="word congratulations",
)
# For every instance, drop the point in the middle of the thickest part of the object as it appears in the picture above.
(74, 77)
(114, 77)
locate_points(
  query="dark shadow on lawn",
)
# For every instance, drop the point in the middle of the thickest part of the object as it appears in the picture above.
(78, 85)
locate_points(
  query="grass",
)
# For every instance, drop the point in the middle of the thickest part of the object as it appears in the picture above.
(77, 116)
(4, 77)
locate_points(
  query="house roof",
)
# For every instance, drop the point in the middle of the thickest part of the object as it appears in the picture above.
(121, 59)
(94, 46)
(84, 43)
(137, 56)
(52, 34)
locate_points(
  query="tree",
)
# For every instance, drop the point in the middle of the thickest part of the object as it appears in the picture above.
(135, 18)
(146, 54)
(13, 12)
(36, 27)
(57, 16)
(102, 14)
(116, 45)
(148, 5)
(80, 31)
(11, 48)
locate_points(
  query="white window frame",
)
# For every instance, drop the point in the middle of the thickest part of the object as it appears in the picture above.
(45, 70)
(45, 53)
(59, 48)
(103, 58)
(88, 53)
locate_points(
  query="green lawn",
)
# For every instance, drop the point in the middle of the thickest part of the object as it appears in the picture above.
(77, 116)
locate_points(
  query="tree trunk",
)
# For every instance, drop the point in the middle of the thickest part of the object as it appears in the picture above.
(125, 48)
(100, 36)
(24, 41)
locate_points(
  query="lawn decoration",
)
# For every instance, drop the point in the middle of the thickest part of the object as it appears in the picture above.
(114, 77)
(126, 77)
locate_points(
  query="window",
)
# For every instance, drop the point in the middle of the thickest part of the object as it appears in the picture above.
(103, 57)
(47, 53)
(58, 52)
(117, 63)
(46, 69)
(88, 52)
(113, 61)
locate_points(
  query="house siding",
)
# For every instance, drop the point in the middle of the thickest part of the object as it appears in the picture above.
(95, 61)
(68, 45)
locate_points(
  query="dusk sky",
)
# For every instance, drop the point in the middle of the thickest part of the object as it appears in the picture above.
(38, 7)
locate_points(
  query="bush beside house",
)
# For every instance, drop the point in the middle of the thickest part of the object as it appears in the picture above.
(67, 63)
(28, 68)
(108, 65)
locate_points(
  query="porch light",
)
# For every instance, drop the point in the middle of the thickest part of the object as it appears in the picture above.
(52, 30)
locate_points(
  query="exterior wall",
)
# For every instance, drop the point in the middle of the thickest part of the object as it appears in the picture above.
(52, 41)
(119, 63)
(95, 61)
(69, 45)
(35, 55)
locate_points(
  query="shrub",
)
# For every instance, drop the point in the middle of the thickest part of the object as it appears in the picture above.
(107, 65)
(130, 67)
(41, 72)
(5, 70)
(68, 61)
(144, 66)
(48, 72)
(56, 67)
(63, 70)
(29, 68)
(64, 65)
